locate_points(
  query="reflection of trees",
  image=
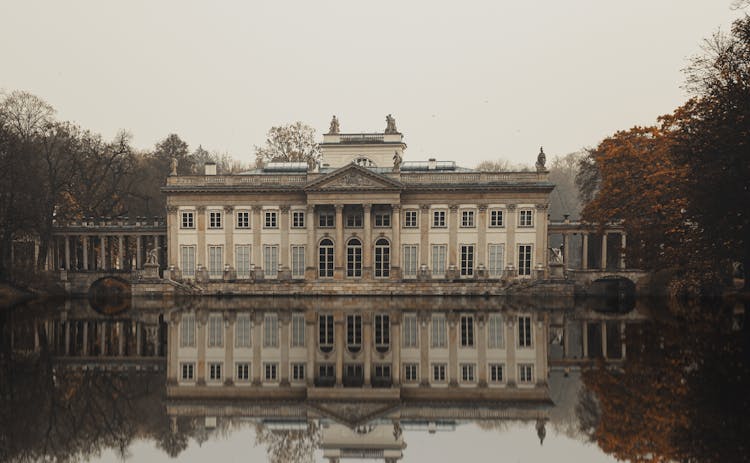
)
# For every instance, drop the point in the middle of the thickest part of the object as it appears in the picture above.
(293, 446)
(680, 396)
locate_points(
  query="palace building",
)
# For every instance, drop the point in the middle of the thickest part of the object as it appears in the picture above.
(363, 213)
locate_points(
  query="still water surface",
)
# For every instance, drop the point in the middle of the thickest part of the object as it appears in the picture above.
(373, 379)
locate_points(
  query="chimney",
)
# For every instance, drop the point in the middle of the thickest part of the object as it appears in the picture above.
(210, 168)
(431, 164)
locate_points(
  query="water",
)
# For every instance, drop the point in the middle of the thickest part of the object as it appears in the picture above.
(394, 379)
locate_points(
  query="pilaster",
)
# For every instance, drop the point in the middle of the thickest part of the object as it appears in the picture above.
(424, 235)
(396, 242)
(257, 251)
(173, 246)
(367, 245)
(338, 261)
(510, 240)
(229, 223)
(201, 229)
(284, 261)
(452, 236)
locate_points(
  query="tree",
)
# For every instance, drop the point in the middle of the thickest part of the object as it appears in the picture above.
(289, 143)
(501, 165)
(565, 199)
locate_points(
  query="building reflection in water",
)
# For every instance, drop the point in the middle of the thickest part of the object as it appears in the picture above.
(343, 375)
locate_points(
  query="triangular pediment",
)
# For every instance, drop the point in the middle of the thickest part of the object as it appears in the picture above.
(353, 413)
(353, 177)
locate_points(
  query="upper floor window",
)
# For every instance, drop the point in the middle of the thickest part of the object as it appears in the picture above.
(382, 219)
(326, 219)
(243, 219)
(525, 218)
(354, 220)
(410, 219)
(298, 219)
(325, 259)
(467, 219)
(214, 219)
(325, 333)
(271, 219)
(496, 218)
(188, 219)
(438, 219)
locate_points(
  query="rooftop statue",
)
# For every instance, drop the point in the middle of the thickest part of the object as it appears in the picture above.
(174, 166)
(390, 124)
(334, 128)
(541, 160)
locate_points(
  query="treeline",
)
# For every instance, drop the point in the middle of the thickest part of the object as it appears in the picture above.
(53, 170)
(682, 187)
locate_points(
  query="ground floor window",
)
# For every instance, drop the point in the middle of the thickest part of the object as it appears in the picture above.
(467, 372)
(354, 258)
(214, 371)
(215, 261)
(187, 261)
(298, 261)
(438, 372)
(325, 259)
(271, 371)
(382, 258)
(439, 252)
(242, 260)
(410, 260)
(188, 371)
(243, 371)
(525, 373)
(496, 373)
(524, 259)
(495, 260)
(411, 372)
(270, 261)
(298, 372)
(467, 260)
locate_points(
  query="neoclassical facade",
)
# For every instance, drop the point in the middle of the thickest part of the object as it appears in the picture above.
(361, 214)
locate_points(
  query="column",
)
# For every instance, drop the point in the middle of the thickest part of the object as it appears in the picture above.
(604, 251)
(67, 251)
(138, 252)
(367, 347)
(284, 318)
(510, 227)
(284, 261)
(201, 319)
(396, 242)
(103, 256)
(230, 319)
(510, 349)
(338, 265)
(481, 338)
(453, 349)
(172, 245)
(481, 252)
(229, 223)
(453, 236)
(121, 252)
(424, 348)
(396, 348)
(540, 225)
(257, 343)
(424, 234)
(338, 345)
(257, 252)
(85, 249)
(585, 251)
(311, 269)
(200, 211)
(311, 345)
(623, 239)
(566, 250)
(367, 244)
(103, 339)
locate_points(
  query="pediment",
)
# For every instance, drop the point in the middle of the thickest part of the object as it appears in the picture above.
(353, 413)
(353, 177)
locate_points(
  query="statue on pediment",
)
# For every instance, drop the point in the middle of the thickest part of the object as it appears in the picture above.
(390, 124)
(334, 128)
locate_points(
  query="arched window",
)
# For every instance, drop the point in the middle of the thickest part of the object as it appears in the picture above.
(354, 258)
(382, 258)
(325, 259)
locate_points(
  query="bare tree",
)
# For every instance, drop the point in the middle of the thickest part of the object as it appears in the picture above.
(290, 143)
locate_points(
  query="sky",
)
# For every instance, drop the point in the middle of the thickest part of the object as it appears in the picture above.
(466, 81)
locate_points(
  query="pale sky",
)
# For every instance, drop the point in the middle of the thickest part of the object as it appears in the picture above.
(465, 80)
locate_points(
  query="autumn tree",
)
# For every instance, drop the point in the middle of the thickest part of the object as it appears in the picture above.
(289, 143)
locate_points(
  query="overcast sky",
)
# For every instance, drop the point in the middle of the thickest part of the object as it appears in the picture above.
(465, 80)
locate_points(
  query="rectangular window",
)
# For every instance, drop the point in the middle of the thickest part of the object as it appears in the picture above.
(298, 219)
(467, 260)
(243, 371)
(354, 332)
(215, 331)
(242, 260)
(271, 330)
(524, 332)
(214, 219)
(496, 218)
(187, 261)
(438, 219)
(327, 371)
(467, 373)
(525, 218)
(439, 330)
(270, 261)
(298, 372)
(382, 219)
(410, 219)
(298, 330)
(242, 331)
(467, 331)
(325, 333)
(271, 219)
(467, 219)
(496, 373)
(354, 220)
(411, 372)
(243, 219)
(188, 371)
(215, 261)
(271, 372)
(439, 252)
(524, 259)
(187, 331)
(382, 332)
(298, 261)
(326, 219)
(214, 371)
(438, 372)
(495, 259)
(525, 373)
(495, 332)
(188, 219)
(382, 371)
(411, 333)
(410, 256)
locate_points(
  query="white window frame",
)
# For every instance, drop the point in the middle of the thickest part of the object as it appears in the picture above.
(495, 259)
(410, 260)
(468, 218)
(243, 331)
(525, 259)
(497, 218)
(187, 220)
(242, 219)
(270, 260)
(297, 254)
(468, 372)
(215, 331)
(215, 261)
(215, 220)
(439, 332)
(439, 218)
(187, 260)
(243, 372)
(411, 218)
(411, 372)
(468, 259)
(187, 330)
(243, 258)
(215, 371)
(270, 372)
(271, 219)
(298, 219)
(439, 257)
(496, 373)
(525, 218)
(326, 219)
(467, 331)
(297, 372)
(525, 331)
(439, 372)
(525, 373)
(354, 220)
(382, 219)
(495, 332)
(297, 338)
(410, 331)
(187, 371)
(270, 331)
